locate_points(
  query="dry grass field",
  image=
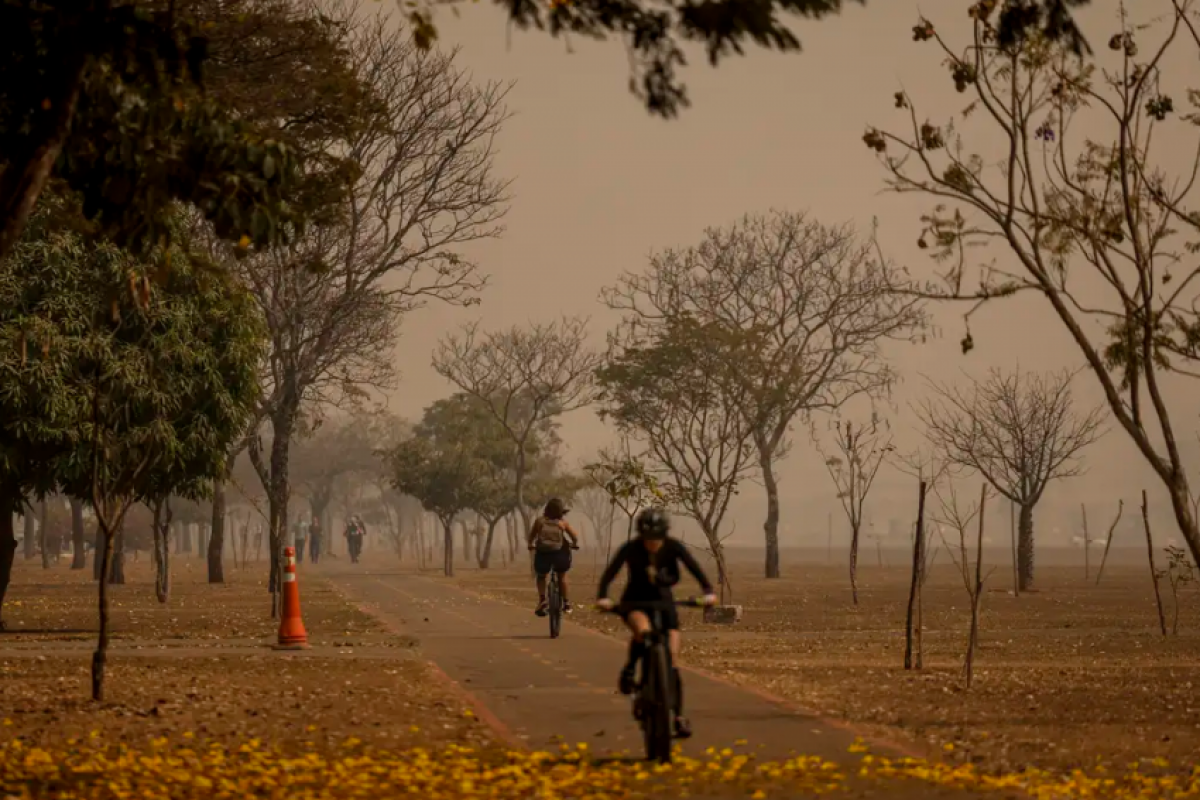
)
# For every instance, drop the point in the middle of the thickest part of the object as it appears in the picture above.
(199, 665)
(1070, 676)
(1067, 676)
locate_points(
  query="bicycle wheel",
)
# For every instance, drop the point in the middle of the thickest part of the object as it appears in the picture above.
(554, 601)
(656, 704)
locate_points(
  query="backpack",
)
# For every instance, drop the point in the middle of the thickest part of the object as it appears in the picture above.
(549, 536)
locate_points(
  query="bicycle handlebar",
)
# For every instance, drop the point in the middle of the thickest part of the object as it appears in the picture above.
(650, 605)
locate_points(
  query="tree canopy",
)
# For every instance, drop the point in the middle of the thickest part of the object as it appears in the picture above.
(668, 391)
(124, 381)
(796, 313)
(108, 98)
(657, 31)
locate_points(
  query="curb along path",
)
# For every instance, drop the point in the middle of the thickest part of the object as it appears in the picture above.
(546, 692)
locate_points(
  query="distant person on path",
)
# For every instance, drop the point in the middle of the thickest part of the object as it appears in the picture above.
(314, 540)
(354, 538)
(551, 539)
(653, 560)
(301, 534)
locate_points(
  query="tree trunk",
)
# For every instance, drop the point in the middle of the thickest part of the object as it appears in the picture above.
(29, 168)
(187, 538)
(216, 539)
(8, 550)
(485, 557)
(79, 561)
(854, 539)
(29, 530)
(202, 538)
(771, 524)
(510, 531)
(117, 560)
(519, 487)
(318, 505)
(1025, 548)
(448, 548)
(1185, 514)
(99, 658)
(162, 550)
(912, 659)
(282, 425)
(722, 573)
(98, 556)
(49, 548)
(419, 534)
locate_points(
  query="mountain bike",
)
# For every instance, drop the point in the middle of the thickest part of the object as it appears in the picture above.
(554, 602)
(654, 692)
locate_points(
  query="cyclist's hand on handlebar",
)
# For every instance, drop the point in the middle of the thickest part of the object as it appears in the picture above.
(604, 604)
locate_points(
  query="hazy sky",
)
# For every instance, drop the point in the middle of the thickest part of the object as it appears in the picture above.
(599, 184)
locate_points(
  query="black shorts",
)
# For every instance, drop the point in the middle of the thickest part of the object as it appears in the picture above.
(557, 560)
(668, 615)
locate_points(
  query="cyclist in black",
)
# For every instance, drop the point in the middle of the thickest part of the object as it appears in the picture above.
(653, 560)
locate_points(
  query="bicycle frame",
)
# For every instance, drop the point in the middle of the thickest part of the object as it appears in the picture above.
(554, 604)
(654, 699)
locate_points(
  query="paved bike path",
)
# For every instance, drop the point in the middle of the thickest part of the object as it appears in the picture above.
(546, 691)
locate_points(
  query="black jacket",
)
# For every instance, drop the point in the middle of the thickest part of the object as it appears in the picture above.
(651, 576)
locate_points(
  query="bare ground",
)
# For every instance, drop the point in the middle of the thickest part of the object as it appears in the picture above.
(201, 666)
(1066, 677)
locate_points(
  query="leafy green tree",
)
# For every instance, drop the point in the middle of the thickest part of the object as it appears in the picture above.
(1095, 215)
(108, 98)
(465, 420)
(666, 390)
(625, 478)
(656, 31)
(442, 476)
(119, 389)
(288, 70)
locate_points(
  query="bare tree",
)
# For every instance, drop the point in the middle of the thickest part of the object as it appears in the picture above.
(1109, 539)
(914, 654)
(1094, 210)
(425, 187)
(526, 377)
(665, 389)
(1155, 574)
(601, 510)
(860, 453)
(1019, 431)
(961, 519)
(799, 311)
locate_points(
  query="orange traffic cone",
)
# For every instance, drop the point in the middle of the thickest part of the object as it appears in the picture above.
(292, 635)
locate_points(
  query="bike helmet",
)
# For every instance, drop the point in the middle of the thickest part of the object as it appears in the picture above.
(653, 524)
